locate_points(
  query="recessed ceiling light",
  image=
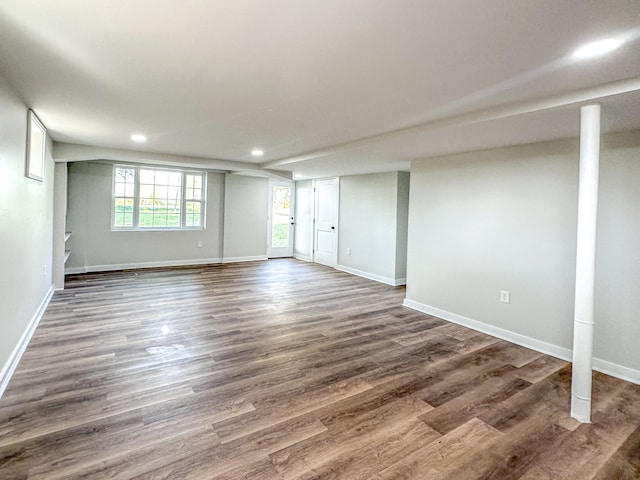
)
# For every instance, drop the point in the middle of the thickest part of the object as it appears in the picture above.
(297, 175)
(138, 138)
(595, 49)
(256, 152)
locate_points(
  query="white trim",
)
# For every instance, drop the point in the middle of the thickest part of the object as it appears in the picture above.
(12, 363)
(394, 282)
(287, 251)
(304, 258)
(613, 369)
(255, 258)
(129, 266)
(538, 345)
(74, 271)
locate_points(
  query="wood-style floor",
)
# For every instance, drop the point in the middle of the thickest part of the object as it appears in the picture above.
(289, 370)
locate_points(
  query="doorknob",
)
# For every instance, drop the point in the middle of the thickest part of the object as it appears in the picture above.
(333, 228)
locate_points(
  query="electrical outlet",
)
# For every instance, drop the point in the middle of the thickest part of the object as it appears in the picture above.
(348, 251)
(199, 244)
(505, 296)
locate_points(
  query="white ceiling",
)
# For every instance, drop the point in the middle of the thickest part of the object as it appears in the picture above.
(327, 87)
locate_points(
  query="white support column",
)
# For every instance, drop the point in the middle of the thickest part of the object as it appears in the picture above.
(585, 263)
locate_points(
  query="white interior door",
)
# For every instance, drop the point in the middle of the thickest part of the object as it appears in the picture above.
(281, 221)
(325, 232)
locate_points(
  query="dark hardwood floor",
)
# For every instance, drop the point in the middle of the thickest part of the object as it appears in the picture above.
(290, 370)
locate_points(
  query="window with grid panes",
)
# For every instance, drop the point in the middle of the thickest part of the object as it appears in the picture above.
(123, 196)
(157, 199)
(193, 200)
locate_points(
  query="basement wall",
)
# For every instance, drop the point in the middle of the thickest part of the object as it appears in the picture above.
(505, 219)
(236, 229)
(372, 238)
(26, 232)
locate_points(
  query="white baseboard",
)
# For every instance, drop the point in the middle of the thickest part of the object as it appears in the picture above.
(74, 270)
(615, 370)
(562, 353)
(129, 266)
(538, 345)
(394, 282)
(304, 258)
(12, 363)
(255, 258)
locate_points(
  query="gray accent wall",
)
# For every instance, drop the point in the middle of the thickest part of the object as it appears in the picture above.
(372, 224)
(402, 224)
(505, 219)
(26, 232)
(246, 210)
(236, 215)
(617, 305)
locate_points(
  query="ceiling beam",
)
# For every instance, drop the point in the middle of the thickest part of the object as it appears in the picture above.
(71, 152)
(478, 116)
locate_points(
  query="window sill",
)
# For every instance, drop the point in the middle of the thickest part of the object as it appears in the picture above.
(184, 229)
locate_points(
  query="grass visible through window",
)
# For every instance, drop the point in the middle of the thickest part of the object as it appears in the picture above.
(149, 198)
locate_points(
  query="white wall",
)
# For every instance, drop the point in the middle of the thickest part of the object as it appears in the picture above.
(95, 247)
(370, 207)
(26, 232)
(304, 220)
(617, 303)
(246, 208)
(505, 219)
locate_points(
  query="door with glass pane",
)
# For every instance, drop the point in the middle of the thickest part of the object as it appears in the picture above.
(281, 221)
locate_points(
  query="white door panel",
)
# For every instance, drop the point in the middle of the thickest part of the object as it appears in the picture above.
(326, 222)
(326, 204)
(325, 243)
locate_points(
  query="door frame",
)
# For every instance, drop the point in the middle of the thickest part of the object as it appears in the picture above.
(280, 252)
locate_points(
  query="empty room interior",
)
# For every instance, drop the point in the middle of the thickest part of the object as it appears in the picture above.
(352, 239)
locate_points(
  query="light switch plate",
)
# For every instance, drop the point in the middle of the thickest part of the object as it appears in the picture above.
(505, 296)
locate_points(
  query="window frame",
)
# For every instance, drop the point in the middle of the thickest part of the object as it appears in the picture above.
(136, 199)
